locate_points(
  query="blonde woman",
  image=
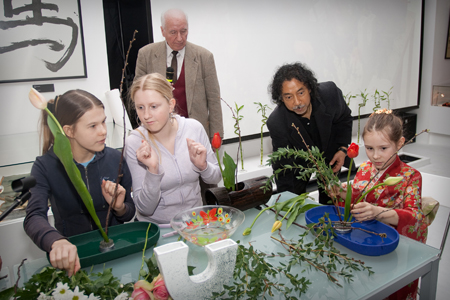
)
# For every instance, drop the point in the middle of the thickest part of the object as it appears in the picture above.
(167, 154)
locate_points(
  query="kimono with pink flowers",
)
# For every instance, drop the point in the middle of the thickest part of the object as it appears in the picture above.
(404, 197)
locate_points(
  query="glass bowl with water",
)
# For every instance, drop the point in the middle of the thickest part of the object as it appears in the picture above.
(207, 224)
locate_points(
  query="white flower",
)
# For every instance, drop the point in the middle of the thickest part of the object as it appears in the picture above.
(61, 290)
(67, 296)
(78, 295)
(122, 296)
(93, 297)
(43, 296)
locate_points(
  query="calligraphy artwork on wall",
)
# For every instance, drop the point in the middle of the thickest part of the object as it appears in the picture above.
(41, 40)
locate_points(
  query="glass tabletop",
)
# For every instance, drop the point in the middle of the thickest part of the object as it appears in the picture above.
(409, 256)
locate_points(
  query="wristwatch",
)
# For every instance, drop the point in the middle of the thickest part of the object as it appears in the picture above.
(343, 150)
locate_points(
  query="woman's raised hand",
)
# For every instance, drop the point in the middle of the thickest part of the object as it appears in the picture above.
(197, 154)
(146, 155)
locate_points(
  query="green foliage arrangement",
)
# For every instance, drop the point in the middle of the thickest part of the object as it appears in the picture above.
(256, 277)
(103, 284)
(323, 172)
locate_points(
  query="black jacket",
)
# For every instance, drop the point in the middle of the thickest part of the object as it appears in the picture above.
(70, 214)
(334, 123)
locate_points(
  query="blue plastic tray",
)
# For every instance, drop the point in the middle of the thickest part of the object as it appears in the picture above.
(358, 240)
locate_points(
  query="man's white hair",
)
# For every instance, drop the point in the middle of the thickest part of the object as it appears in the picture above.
(172, 12)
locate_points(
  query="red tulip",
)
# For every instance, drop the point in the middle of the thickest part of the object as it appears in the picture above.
(353, 150)
(216, 141)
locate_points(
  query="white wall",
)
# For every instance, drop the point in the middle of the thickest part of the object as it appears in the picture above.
(17, 115)
(357, 44)
(435, 68)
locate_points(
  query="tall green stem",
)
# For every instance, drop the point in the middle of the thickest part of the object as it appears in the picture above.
(249, 229)
(348, 197)
(218, 159)
(261, 145)
(363, 195)
(289, 210)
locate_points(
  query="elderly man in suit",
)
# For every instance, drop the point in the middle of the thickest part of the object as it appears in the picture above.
(195, 79)
(321, 114)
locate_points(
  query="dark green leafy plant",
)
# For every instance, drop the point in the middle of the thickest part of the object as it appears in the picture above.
(317, 166)
(320, 254)
(103, 284)
(254, 276)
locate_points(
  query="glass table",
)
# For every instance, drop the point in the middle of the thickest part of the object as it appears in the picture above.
(411, 260)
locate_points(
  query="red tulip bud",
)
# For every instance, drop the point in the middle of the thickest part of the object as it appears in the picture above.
(216, 141)
(353, 150)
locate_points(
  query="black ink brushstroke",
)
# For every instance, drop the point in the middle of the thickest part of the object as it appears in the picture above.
(36, 6)
(53, 45)
(39, 20)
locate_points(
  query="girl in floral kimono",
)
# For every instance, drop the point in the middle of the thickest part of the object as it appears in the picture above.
(399, 206)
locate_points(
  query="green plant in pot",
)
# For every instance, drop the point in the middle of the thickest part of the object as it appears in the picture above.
(241, 195)
(326, 179)
(229, 166)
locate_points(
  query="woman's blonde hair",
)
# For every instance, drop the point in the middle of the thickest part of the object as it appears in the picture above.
(155, 82)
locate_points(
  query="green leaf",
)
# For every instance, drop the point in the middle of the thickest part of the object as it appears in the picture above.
(229, 172)
(307, 207)
(348, 196)
(280, 205)
(294, 213)
(7, 294)
(63, 151)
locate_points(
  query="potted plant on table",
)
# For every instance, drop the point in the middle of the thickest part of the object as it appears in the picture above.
(241, 195)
